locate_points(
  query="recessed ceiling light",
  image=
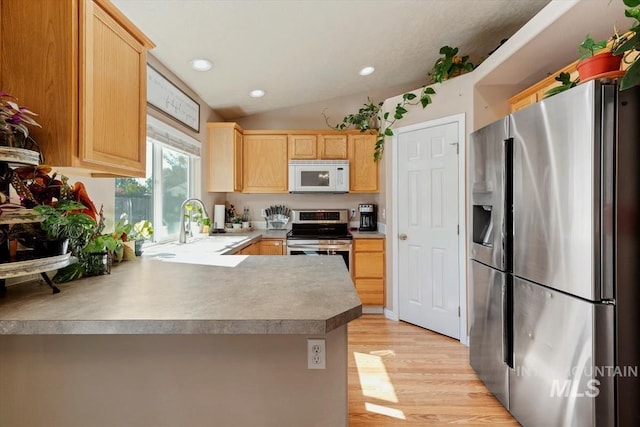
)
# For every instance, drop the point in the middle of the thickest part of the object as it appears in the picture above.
(258, 93)
(366, 71)
(201, 64)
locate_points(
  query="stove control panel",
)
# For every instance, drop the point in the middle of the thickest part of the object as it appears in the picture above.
(320, 216)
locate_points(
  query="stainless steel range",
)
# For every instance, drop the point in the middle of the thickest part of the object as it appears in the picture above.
(320, 232)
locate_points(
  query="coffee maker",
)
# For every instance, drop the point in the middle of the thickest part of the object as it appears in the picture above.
(368, 220)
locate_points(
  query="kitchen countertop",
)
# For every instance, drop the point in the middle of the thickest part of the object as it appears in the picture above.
(248, 295)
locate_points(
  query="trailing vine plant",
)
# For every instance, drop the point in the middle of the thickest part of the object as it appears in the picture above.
(368, 119)
(566, 83)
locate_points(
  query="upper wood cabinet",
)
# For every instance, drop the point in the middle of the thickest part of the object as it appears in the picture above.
(81, 66)
(266, 167)
(317, 146)
(363, 171)
(303, 147)
(224, 157)
(332, 147)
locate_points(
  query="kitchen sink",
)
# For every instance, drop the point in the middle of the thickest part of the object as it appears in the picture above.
(204, 251)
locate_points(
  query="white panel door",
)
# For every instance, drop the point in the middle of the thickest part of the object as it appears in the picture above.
(428, 221)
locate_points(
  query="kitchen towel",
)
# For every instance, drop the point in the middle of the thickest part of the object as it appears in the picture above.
(218, 217)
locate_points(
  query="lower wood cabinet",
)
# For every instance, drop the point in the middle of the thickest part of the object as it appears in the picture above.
(368, 270)
(272, 247)
(252, 249)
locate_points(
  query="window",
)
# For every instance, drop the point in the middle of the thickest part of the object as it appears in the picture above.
(171, 170)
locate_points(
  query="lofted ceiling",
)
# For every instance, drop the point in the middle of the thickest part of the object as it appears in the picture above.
(303, 51)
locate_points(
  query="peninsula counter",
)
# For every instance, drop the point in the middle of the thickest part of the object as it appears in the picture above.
(166, 344)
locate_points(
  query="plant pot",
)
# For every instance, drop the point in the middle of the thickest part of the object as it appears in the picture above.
(598, 64)
(236, 225)
(98, 263)
(138, 247)
(53, 247)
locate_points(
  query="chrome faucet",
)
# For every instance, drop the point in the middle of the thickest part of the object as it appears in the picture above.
(183, 226)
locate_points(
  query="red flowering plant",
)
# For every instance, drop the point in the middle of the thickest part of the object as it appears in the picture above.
(35, 187)
(14, 119)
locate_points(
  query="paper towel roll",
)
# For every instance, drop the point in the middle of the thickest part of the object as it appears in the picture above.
(218, 217)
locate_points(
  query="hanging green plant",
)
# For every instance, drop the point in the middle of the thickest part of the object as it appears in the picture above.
(630, 47)
(368, 118)
(451, 65)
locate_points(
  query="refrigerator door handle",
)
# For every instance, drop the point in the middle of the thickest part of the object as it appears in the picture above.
(607, 184)
(507, 319)
(507, 231)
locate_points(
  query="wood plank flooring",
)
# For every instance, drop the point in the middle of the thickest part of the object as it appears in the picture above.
(400, 374)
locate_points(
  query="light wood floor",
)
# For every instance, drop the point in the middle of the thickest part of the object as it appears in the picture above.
(400, 374)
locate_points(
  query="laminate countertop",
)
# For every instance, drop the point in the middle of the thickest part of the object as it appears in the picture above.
(234, 294)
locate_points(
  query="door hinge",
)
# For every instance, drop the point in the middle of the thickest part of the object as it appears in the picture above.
(458, 311)
(458, 228)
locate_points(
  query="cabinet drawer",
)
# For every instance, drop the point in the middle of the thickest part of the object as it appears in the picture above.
(369, 245)
(370, 291)
(272, 247)
(368, 264)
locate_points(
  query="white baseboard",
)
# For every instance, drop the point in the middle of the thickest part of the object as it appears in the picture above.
(390, 315)
(372, 309)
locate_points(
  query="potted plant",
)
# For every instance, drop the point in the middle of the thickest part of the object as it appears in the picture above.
(14, 119)
(197, 219)
(236, 221)
(451, 65)
(141, 231)
(100, 249)
(62, 223)
(596, 58)
(630, 47)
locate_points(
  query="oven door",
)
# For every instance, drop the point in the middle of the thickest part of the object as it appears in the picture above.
(318, 248)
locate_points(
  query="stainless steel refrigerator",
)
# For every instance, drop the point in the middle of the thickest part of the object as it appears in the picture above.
(555, 266)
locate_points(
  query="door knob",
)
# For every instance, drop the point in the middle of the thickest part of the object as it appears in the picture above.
(403, 236)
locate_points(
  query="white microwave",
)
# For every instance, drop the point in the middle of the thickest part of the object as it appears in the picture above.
(318, 176)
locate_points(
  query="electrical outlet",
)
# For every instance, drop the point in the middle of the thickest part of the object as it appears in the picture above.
(316, 354)
(353, 213)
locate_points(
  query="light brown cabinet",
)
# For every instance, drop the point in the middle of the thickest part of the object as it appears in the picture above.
(272, 247)
(317, 146)
(81, 66)
(363, 170)
(257, 161)
(368, 270)
(224, 158)
(332, 147)
(252, 249)
(265, 163)
(303, 147)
